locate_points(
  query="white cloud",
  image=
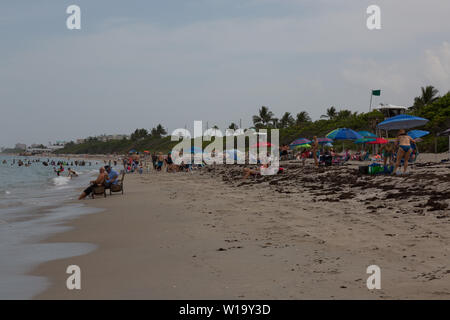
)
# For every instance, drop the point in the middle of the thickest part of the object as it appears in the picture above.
(438, 66)
(223, 69)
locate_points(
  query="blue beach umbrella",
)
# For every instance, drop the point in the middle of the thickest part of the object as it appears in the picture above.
(417, 133)
(367, 134)
(344, 134)
(403, 121)
(364, 140)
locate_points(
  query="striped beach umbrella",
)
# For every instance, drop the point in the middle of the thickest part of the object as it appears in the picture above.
(299, 141)
(344, 134)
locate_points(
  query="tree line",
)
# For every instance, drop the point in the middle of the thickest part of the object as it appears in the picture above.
(429, 104)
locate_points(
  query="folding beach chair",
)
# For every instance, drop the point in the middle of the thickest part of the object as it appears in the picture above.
(98, 190)
(118, 187)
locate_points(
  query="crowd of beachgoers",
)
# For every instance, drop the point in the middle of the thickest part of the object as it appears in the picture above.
(389, 158)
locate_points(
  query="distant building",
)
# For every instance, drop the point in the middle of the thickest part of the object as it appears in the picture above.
(110, 137)
(390, 110)
(20, 146)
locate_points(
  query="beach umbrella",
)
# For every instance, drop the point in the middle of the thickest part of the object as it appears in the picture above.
(344, 134)
(417, 133)
(367, 134)
(378, 141)
(403, 121)
(364, 140)
(300, 146)
(299, 141)
(146, 151)
(324, 140)
(329, 144)
(132, 151)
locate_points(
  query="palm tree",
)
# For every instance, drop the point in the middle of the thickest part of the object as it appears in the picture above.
(331, 113)
(158, 131)
(429, 95)
(139, 134)
(264, 117)
(342, 114)
(287, 120)
(275, 123)
(233, 126)
(302, 117)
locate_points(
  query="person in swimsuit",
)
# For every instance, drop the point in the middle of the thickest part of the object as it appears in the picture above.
(160, 161)
(71, 173)
(315, 147)
(404, 150)
(171, 167)
(388, 151)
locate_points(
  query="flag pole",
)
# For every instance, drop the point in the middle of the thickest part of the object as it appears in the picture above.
(371, 95)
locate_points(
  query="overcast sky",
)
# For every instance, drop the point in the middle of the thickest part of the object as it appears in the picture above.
(137, 63)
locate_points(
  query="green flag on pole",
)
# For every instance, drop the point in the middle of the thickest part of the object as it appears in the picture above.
(376, 92)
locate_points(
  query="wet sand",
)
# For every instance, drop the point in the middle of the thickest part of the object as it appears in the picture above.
(307, 233)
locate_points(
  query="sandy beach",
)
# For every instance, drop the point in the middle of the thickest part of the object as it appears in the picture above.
(306, 234)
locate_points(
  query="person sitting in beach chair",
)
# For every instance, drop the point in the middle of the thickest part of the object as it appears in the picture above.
(112, 177)
(326, 159)
(97, 183)
(118, 186)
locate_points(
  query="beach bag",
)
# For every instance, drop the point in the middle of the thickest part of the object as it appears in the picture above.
(364, 169)
(375, 168)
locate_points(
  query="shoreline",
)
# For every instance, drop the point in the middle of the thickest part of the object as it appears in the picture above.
(199, 236)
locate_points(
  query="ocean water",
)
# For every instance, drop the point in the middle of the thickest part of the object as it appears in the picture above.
(33, 205)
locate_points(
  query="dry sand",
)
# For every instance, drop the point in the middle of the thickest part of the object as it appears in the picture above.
(304, 234)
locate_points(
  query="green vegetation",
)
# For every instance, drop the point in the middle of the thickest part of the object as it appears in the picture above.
(428, 105)
(12, 151)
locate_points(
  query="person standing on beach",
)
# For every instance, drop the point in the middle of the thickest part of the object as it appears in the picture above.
(404, 151)
(315, 148)
(160, 161)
